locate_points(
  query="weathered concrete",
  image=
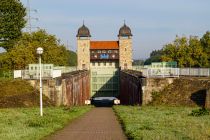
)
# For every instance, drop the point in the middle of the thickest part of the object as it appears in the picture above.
(70, 89)
(98, 124)
(131, 83)
(207, 105)
(154, 85)
(135, 89)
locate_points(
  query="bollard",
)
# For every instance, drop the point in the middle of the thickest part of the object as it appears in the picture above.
(207, 103)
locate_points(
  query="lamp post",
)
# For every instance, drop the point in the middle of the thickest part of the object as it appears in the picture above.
(39, 51)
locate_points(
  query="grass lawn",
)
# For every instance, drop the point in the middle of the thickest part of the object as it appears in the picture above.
(163, 123)
(26, 124)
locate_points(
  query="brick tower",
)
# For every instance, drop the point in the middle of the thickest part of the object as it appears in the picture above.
(83, 48)
(125, 47)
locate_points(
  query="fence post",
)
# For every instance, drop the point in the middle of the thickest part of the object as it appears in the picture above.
(207, 103)
(179, 71)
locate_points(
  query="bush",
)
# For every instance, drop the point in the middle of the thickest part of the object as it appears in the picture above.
(199, 112)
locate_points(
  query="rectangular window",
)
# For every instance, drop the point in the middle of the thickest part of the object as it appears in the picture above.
(103, 51)
(116, 51)
(93, 64)
(99, 63)
(110, 63)
(104, 63)
(99, 51)
(109, 51)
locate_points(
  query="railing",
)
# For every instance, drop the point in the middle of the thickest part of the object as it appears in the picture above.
(174, 72)
(46, 73)
(34, 74)
(66, 69)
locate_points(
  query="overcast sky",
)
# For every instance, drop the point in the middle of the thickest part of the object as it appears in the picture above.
(153, 22)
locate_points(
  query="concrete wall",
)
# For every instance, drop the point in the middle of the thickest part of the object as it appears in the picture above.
(207, 105)
(71, 89)
(190, 91)
(130, 87)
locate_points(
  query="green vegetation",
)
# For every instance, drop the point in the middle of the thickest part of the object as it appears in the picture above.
(163, 123)
(26, 124)
(12, 21)
(187, 52)
(199, 112)
(54, 52)
(21, 47)
(155, 56)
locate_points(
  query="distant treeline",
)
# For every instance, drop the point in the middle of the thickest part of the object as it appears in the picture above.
(186, 51)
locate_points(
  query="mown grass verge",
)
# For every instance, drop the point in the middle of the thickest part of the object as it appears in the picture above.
(163, 123)
(26, 124)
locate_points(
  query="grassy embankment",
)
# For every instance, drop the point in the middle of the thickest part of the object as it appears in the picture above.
(163, 123)
(19, 93)
(26, 124)
(18, 123)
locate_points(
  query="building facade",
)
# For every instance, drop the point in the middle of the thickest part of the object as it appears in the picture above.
(104, 53)
(104, 59)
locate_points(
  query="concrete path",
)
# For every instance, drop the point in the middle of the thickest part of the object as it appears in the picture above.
(98, 124)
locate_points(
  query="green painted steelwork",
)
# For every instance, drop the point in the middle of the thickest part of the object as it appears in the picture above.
(104, 82)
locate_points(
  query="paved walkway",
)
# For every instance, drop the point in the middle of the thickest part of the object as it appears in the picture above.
(98, 124)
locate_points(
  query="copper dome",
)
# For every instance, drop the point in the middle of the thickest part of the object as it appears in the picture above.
(83, 32)
(125, 31)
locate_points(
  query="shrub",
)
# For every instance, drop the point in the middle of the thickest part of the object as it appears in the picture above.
(199, 112)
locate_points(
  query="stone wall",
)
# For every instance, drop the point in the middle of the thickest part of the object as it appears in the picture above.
(71, 89)
(154, 85)
(207, 105)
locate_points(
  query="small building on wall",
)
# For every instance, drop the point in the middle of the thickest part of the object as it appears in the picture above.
(104, 53)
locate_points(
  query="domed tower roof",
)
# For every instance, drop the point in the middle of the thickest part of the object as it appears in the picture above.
(83, 31)
(125, 31)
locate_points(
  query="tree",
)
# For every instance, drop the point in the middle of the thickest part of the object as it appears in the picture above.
(155, 56)
(205, 42)
(138, 62)
(187, 52)
(24, 52)
(12, 21)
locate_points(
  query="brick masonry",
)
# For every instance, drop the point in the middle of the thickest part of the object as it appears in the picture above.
(83, 53)
(125, 50)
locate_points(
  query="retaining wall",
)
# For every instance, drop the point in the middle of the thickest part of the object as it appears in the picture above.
(70, 89)
(130, 87)
(190, 91)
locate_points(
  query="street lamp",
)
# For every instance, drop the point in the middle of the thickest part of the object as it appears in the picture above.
(39, 51)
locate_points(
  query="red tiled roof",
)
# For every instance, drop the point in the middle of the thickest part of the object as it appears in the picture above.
(104, 45)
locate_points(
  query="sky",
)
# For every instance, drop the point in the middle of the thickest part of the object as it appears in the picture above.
(153, 23)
